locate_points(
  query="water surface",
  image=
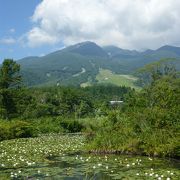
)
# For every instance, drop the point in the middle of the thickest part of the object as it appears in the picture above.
(89, 166)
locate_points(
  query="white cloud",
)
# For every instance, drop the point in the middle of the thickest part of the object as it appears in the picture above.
(38, 36)
(7, 41)
(126, 23)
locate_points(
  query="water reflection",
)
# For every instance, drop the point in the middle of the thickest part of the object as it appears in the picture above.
(85, 166)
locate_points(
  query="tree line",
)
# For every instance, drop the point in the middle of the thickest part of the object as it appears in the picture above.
(17, 101)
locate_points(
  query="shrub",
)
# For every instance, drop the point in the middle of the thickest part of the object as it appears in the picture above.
(4, 131)
(16, 129)
(71, 126)
(22, 129)
(48, 125)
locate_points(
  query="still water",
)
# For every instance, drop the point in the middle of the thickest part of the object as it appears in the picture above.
(90, 166)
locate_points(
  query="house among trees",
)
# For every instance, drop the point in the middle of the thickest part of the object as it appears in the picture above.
(115, 102)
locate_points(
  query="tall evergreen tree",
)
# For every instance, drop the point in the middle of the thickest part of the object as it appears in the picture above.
(10, 80)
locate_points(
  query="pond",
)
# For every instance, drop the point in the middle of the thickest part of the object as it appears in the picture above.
(72, 164)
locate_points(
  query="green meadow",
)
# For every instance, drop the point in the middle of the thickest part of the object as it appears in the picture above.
(106, 76)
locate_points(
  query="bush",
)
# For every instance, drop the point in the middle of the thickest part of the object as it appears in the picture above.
(4, 131)
(71, 126)
(48, 125)
(22, 129)
(16, 129)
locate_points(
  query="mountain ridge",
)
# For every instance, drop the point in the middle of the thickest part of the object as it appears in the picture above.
(71, 48)
(64, 66)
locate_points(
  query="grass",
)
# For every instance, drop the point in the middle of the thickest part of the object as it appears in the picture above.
(106, 76)
(86, 84)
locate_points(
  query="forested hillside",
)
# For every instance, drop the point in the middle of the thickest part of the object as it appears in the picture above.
(80, 64)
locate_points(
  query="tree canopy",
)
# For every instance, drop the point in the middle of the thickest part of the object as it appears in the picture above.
(10, 79)
(9, 74)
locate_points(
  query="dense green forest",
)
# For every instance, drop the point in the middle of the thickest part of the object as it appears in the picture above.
(146, 123)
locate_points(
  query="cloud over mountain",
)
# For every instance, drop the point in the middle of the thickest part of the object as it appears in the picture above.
(126, 23)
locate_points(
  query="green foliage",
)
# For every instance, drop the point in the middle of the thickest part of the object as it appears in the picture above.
(147, 124)
(46, 125)
(9, 74)
(16, 129)
(4, 131)
(21, 129)
(71, 126)
(154, 71)
(58, 102)
(9, 82)
(7, 103)
(61, 101)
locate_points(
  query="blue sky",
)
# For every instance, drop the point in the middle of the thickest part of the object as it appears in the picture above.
(15, 22)
(37, 27)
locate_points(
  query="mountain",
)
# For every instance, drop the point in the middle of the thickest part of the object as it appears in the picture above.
(131, 60)
(70, 66)
(114, 51)
(80, 63)
(172, 49)
(87, 49)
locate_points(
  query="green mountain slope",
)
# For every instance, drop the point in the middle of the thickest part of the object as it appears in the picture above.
(108, 77)
(81, 62)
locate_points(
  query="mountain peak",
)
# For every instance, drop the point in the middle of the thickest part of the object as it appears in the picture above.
(170, 48)
(87, 48)
(87, 42)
